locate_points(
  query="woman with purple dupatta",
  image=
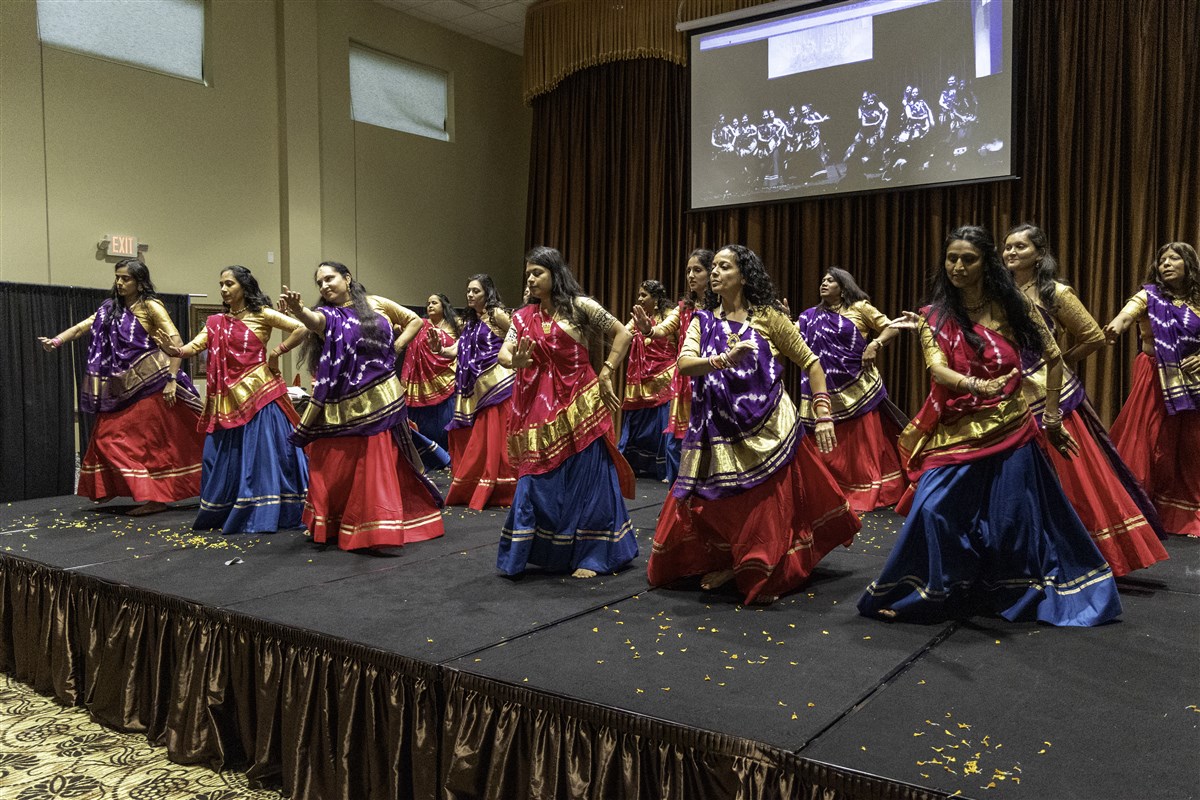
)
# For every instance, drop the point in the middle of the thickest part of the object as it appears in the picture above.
(753, 502)
(1158, 430)
(145, 444)
(366, 488)
(866, 460)
(483, 475)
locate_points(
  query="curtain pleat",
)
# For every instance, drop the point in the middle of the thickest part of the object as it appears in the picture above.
(1108, 158)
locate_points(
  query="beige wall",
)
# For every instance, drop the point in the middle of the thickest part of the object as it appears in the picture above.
(264, 158)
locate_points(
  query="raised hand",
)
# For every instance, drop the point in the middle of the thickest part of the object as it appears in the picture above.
(523, 353)
(907, 321)
(290, 302)
(642, 321)
(435, 341)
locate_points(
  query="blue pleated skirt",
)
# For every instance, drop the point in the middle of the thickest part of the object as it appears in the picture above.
(674, 451)
(431, 421)
(571, 518)
(995, 536)
(433, 456)
(643, 441)
(253, 480)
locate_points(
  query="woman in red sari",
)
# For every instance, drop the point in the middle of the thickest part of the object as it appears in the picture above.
(753, 503)
(145, 444)
(673, 327)
(568, 514)
(649, 378)
(1158, 429)
(989, 529)
(254, 480)
(1102, 490)
(428, 379)
(483, 475)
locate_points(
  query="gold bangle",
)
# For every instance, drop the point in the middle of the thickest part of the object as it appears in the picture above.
(611, 368)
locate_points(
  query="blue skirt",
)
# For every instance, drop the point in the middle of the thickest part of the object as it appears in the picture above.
(573, 517)
(253, 480)
(995, 536)
(431, 421)
(674, 451)
(432, 455)
(643, 441)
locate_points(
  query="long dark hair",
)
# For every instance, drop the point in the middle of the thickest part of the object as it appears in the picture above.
(851, 291)
(140, 273)
(373, 329)
(758, 289)
(705, 256)
(1191, 272)
(998, 287)
(254, 297)
(491, 298)
(564, 289)
(1047, 265)
(449, 315)
(659, 292)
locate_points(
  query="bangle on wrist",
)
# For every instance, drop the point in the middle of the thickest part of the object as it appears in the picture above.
(824, 418)
(610, 367)
(57, 342)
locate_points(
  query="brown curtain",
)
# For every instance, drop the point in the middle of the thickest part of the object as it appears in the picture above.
(322, 718)
(1108, 156)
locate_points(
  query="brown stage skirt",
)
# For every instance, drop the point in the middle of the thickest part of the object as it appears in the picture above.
(483, 475)
(363, 493)
(1161, 449)
(772, 536)
(149, 451)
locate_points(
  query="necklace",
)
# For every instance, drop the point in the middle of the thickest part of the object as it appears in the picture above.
(975, 309)
(235, 311)
(547, 320)
(732, 337)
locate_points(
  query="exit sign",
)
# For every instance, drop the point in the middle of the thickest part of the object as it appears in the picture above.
(122, 246)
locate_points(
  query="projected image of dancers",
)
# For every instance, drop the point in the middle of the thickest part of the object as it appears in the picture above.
(870, 142)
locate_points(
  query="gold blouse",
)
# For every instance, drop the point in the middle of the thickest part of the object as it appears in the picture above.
(866, 317)
(260, 324)
(772, 325)
(1073, 324)
(151, 315)
(934, 357)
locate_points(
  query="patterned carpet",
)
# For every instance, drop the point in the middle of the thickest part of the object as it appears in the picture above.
(49, 752)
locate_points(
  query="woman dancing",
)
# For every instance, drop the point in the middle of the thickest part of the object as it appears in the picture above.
(989, 529)
(483, 474)
(676, 323)
(428, 379)
(1102, 490)
(753, 502)
(254, 480)
(1158, 429)
(649, 377)
(145, 444)
(366, 489)
(568, 513)
(866, 461)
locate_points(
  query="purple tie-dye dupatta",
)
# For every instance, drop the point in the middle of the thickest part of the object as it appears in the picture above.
(356, 391)
(737, 437)
(1176, 331)
(478, 348)
(839, 345)
(124, 365)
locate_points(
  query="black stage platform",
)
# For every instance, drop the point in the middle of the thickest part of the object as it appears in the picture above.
(804, 692)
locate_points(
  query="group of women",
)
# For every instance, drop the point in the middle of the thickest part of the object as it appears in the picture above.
(1017, 501)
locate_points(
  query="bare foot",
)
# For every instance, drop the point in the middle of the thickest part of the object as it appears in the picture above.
(715, 580)
(887, 613)
(147, 508)
(583, 573)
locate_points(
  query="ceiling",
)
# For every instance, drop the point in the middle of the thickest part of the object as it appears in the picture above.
(500, 23)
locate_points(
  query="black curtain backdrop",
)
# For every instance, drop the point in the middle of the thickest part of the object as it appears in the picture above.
(39, 390)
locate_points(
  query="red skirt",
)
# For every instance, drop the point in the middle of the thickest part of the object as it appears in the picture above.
(1161, 449)
(1117, 526)
(866, 462)
(771, 536)
(479, 461)
(149, 451)
(363, 493)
